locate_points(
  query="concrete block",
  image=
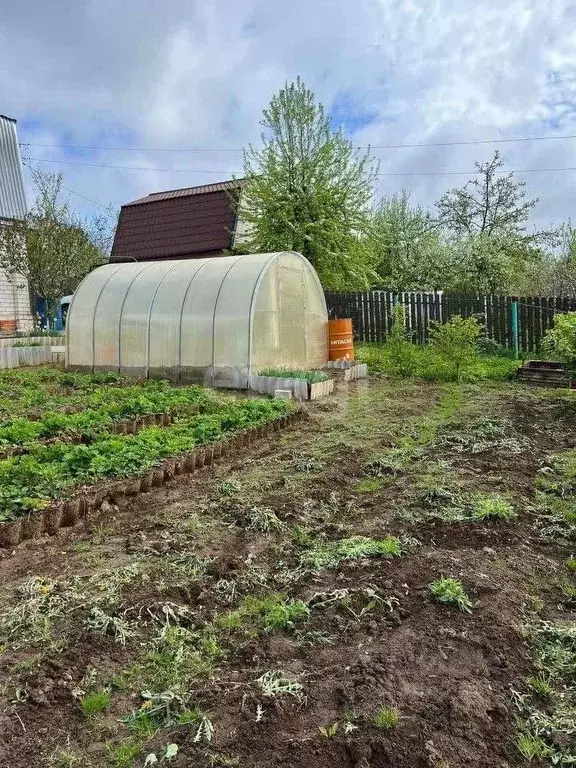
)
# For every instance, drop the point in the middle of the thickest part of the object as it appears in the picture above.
(283, 394)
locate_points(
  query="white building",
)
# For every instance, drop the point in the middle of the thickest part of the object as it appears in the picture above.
(15, 311)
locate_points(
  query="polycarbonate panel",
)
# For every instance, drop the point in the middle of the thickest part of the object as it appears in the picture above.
(134, 319)
(208, 320)
(164, 341)
(231, 353)
(80, 340)
(107, 315)
(196, 342)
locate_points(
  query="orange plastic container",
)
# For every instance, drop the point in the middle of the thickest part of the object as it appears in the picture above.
(341, 340)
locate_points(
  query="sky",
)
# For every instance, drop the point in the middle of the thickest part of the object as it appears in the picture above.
(157, 79)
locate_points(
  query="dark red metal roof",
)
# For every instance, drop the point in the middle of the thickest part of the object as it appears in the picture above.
(179, 223)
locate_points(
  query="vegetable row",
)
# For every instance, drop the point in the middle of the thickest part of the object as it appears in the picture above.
(49, 472)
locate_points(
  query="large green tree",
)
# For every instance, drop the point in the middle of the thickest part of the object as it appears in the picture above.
(486, 220)
(52, 247)
(307, 189)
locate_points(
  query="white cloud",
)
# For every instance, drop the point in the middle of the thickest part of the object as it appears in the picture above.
(177, 74)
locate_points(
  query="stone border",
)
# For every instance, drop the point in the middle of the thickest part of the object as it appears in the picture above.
(348, 369)
(88, 500)
(300, 388)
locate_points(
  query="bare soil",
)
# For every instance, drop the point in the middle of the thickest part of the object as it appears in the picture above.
(449, 674)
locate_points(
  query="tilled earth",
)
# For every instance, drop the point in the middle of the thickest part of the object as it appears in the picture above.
(178, 573)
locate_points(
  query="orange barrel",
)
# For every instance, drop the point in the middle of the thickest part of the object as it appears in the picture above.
(8, 326)
(341, 340)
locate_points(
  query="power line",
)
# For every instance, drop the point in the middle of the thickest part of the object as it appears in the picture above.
(73, 191)
(236, 172)
(367, 146)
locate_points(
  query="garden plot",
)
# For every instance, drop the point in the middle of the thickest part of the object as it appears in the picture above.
(52, 466)
(389, 582)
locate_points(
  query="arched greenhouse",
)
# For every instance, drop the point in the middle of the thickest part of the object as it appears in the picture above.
(214, 320)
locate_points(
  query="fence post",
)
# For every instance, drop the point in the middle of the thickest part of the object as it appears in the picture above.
(514, 311)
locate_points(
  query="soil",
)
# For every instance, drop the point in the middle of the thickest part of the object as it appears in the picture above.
(449, 674)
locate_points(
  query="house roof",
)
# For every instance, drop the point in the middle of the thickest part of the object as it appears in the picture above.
(12, 196)
(176, 223)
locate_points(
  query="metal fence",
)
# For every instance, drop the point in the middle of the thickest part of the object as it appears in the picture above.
(371, 314)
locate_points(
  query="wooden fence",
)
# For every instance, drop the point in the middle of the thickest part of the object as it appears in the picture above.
(371, 314)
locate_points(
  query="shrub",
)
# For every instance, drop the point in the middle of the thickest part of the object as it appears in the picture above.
(560, 340)
(456, 342)
(451, 591)
(400, 350)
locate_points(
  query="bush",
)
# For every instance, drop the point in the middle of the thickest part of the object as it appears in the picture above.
(561, 339)
(457, 341)
(400, 350)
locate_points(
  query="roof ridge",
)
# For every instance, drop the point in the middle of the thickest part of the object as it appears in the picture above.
(217, 186)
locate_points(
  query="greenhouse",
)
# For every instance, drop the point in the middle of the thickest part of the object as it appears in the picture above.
(214, 320)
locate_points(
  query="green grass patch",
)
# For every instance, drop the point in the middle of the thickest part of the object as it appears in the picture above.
(386, 718)
(95, 702)
(491, 507)
(330, 555)
(426, 363)
(370, 484)
(452, 592)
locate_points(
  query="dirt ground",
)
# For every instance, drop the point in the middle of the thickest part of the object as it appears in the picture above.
(201, 592)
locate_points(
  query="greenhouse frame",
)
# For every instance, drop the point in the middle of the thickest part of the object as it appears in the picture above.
(214, 320)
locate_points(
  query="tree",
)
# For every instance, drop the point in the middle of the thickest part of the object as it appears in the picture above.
(457, 341)
(52, 248)
(488, 219)
(405, 238)
(307, 189)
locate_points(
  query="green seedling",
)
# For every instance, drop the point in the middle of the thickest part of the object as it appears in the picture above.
(451, 591)
(95, 702)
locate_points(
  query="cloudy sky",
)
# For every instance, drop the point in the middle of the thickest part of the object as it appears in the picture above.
(158, 78)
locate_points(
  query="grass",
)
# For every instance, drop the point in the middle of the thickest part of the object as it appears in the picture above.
(370, 484)
(541, 685)
(123, 755)
(491, 507)
(323, 556)
(386, 718)
(532, 747)
(571, 564)
(95, 702)
(312, 377)
(452, 592)
(427, 364)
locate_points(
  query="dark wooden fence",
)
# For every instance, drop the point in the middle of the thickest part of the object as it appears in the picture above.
(371, 314)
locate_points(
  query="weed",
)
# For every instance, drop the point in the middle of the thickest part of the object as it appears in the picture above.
(331, 555)
(329, 731)
(540, 684)
(489, 507)
(571, 564)
(264, 520)
(283, 615)
(229, 487)
(123, 755)
(392, 462)
(64, 757)
(275, 683)
(451, 591)
(532, 747)
(190, 716)
(95, 702)
(370, 485)
(386, 718)
(116, 626)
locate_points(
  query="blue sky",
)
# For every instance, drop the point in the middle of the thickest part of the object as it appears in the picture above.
(180, 75)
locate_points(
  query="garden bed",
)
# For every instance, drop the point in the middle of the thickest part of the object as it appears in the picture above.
(304, 385)
(48, 462)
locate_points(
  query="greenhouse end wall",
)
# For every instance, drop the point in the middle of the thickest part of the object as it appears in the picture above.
(213, 321)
